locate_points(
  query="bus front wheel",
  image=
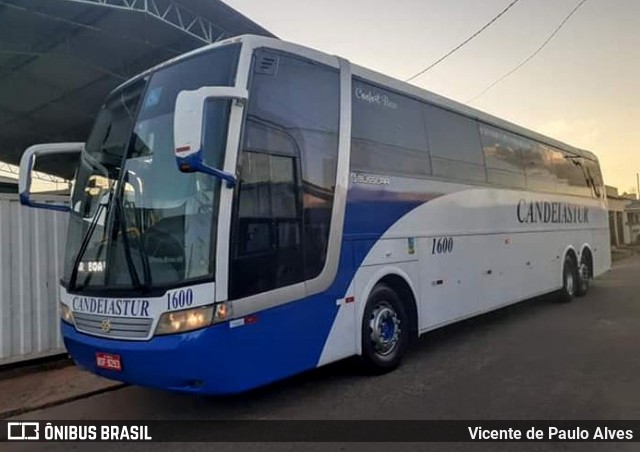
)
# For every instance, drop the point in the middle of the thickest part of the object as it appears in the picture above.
(385, 331)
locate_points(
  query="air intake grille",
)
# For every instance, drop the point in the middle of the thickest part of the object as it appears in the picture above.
(267, 64)
(115, 327)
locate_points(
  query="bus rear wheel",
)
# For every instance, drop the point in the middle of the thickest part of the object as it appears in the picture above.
(584, 277)
(385, 331)
(570, 279)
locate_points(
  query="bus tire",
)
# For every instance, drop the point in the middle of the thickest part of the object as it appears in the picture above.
(569, 279)
(584, 278)
(385, 331)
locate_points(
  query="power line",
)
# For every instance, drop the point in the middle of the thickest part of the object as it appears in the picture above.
(532, 56)
(466, 41)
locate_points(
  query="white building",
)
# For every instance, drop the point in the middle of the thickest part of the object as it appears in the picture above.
(624, 217)
(632, 210)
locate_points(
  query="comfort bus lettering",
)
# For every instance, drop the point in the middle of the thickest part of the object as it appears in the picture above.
(105, 306)
(551, 212)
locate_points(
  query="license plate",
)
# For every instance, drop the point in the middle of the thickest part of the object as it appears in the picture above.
(108, 361)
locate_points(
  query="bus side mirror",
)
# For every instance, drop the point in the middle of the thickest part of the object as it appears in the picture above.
(189, 128)
(27, 163)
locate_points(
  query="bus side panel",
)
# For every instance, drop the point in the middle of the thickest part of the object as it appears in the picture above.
(601, 251)
(493, 259)
(341, 341)
(370, 211)
(484, 272)
(478, 252)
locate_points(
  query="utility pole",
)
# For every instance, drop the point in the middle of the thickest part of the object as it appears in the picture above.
(638, 185)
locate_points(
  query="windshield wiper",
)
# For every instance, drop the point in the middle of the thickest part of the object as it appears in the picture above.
(85, 241)
(133, 273)
(146, 269)
(135, 279)
(104, 201)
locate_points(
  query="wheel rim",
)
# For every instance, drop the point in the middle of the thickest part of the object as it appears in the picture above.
(570, 282)
(385, 328)
(584, 272)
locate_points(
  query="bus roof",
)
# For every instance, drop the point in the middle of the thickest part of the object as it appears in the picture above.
(384, 80)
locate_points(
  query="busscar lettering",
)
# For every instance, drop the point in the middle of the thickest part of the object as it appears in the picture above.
(551, 212)
(370, 179)
(108, 306)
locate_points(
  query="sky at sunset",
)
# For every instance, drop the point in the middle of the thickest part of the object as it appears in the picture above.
(583, 88)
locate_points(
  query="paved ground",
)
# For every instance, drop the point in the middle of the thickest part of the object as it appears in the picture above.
(31, 390)
(535, 360)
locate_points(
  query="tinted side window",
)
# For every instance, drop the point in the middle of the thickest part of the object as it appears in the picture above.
(455, 147)
(538, 162)
(287, 174)
(388, 133)
(268, 186)
(571, 175)
(503, 157)
(561, 168)
(268, 251)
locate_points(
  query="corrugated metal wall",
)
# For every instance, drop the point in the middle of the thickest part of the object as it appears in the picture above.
(31, 250)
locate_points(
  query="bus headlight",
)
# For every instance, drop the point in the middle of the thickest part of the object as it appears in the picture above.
(183, 321)
(65, 314)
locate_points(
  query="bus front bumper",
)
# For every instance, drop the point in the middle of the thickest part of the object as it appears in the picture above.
(225, 358)
(188, 362)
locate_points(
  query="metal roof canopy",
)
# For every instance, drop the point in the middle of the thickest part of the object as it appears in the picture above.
(60, 58)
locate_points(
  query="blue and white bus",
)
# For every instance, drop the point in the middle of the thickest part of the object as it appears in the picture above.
(254, 209)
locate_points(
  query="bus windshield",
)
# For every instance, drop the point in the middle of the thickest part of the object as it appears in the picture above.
(136, 221)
